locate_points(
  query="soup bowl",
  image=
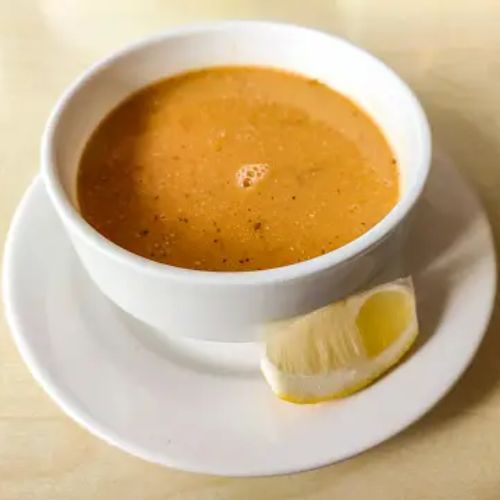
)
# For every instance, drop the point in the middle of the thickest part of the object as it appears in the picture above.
(231, 306)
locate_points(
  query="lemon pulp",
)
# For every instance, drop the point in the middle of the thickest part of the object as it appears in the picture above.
(339, 349)
(382, 318)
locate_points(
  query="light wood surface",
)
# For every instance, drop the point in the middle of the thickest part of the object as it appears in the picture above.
(449, 51)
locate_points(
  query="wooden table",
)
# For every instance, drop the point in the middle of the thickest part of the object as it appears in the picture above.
(449, 51)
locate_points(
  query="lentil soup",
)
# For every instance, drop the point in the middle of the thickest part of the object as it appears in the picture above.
(236, 169)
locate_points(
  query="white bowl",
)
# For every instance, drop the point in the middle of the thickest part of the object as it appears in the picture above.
(218, 305)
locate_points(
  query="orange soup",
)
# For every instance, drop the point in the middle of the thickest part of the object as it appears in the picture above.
(236, 169)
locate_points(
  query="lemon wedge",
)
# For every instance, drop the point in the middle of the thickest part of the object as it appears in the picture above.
(341, 348)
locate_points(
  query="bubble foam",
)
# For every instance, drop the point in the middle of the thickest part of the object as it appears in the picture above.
(250, 174)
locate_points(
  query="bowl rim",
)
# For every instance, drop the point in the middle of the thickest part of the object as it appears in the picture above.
(72, 218)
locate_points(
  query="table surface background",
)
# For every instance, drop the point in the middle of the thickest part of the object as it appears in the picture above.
(449, 52)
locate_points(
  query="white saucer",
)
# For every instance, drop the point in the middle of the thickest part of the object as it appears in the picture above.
(204, 407)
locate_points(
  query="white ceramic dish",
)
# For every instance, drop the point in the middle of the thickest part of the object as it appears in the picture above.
(230, 306)
(202, 406)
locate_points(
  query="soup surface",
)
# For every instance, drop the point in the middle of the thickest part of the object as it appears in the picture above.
(236, 169)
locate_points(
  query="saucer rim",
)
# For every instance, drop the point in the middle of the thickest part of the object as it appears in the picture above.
(102, 431)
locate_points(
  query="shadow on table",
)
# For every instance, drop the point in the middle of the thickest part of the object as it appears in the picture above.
(472, 152)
